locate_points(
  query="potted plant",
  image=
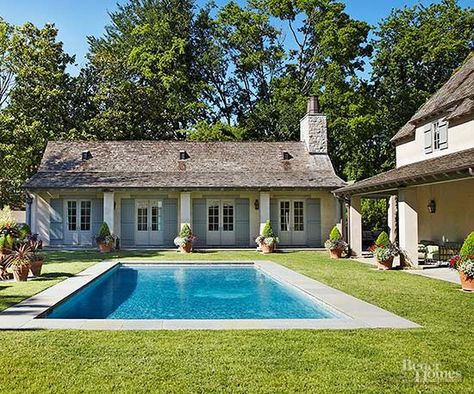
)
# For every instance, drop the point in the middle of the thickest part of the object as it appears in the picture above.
(37, 260)
(19, 260)
(464, 263)
(185, 239)
(384, 251)
(267, 241)
(105, 240)
(335, 244)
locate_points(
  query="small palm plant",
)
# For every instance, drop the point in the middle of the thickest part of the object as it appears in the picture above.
(19, 260)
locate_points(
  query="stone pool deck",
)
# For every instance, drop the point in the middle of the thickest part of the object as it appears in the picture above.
(351, 312)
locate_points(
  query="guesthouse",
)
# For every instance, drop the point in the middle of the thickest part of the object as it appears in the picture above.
(226, 191)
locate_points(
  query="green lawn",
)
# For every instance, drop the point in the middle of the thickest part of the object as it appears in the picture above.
(368, 360)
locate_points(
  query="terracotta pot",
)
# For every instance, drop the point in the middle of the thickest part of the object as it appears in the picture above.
(187, 248)
(385, 265)
(20, 273)
(266, 248)
(335, 253)
(36, 266)
(105, 248)
(467, 283)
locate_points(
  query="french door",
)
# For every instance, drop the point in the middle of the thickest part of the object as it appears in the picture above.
(220, 222)
(149, 222)
(78, 222)
(292, 222)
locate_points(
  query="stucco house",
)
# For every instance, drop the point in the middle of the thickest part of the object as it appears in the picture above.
(145, 190)
(431, 190)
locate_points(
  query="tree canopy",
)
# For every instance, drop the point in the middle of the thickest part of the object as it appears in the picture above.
(240, 71)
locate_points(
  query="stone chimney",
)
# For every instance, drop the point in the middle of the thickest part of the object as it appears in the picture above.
(313, 128)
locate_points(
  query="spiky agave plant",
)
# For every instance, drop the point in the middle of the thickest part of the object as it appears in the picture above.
(20, 256)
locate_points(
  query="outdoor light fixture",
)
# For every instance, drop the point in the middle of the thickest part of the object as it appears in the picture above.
(256, 204)
(432, 206)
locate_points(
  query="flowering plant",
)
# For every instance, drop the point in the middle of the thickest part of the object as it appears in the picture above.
(335, 241)
(268, 236)
(383, 249)
(464, 264)
(185, 236)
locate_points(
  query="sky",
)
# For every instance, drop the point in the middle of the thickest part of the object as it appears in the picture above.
(77, 19)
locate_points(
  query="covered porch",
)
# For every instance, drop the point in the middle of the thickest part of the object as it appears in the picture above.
(430, 210)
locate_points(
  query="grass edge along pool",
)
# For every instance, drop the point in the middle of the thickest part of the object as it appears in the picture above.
(189, 291)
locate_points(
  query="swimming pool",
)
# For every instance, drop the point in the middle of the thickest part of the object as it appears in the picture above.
(189, 291)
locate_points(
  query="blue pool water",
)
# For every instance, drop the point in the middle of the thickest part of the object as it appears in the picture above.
(188, 292)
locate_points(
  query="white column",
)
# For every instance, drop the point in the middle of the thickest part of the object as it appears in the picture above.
(355, 226)
(408, 223)
(392, 218)
(109, 216)
(185, 209)
(264, 209)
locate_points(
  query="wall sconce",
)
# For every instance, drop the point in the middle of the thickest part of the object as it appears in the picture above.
(432, 206)
(256, 204)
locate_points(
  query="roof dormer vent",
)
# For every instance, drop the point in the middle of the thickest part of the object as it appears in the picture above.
(183, 155)
(287, 155)
(86, 155)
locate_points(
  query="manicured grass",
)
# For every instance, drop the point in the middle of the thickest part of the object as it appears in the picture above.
(251, 361)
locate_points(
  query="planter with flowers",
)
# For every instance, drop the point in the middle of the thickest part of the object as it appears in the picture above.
(105, 240)
(384, 251)
(464, 263)
(267, 241)
(184, 241)
(335, 244)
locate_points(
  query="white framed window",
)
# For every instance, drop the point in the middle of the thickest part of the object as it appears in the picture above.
(142, 217)
(213, 216)
(298, 215)
(72, 215)
(435, 136)
(228, 216)
(85, 215)
(284, 216)
(79, 213)
(156, 216)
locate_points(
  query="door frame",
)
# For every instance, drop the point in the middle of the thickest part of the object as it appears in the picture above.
(78, 236)
(292, 237)
(152, 237)
(220, 237)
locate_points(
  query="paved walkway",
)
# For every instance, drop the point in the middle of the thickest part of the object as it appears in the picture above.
(441, 273)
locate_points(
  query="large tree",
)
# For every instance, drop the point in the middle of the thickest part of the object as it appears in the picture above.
(148, 86)
(38, 107)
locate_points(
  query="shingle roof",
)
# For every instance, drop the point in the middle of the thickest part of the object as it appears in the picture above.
(454, 165)
(453, 97)
(156, 164)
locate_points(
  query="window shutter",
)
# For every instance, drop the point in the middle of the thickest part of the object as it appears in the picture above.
(443, 135)
(427, 131)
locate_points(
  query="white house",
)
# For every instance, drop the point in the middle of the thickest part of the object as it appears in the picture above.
(145, 190)
(432, 186)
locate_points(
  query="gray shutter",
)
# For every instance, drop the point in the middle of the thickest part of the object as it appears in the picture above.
(200, 221)
(313, 222)
(274, 216)
(56, 230)
(242, 224)
(428, 138)
(97, 213)
(170, 220)
(443, 135)
(127, 222)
